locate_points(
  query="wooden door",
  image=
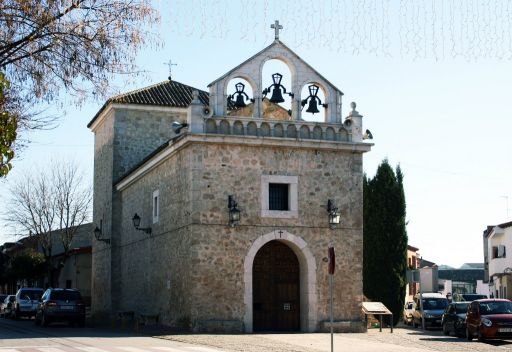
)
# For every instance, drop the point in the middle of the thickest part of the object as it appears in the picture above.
(276, 295)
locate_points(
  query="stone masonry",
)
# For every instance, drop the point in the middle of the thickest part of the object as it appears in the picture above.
(194, 270)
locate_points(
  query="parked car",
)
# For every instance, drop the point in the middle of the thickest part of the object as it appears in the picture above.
(61, 304)
(2, 299)
(434, 305)
(408, 308)
(6, 306)
(27, 299)
(467, 297)
(489, 319)
(454, 318)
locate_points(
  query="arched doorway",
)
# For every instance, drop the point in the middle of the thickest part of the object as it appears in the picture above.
(276, 288)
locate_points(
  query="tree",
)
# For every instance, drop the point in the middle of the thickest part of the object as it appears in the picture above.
(27, 265)
(8, 129)
(385, 238)
(73, 45)
(50, 206)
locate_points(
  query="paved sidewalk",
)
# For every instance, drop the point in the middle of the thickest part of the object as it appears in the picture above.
(401, 340)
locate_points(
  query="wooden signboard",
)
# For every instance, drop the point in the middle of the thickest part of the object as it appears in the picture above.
(377, 308)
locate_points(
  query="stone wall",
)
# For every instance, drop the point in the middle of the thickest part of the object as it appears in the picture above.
(124, 136)
(102, 210)
(190, 270)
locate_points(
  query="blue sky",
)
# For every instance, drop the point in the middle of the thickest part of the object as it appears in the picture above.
(436, 98)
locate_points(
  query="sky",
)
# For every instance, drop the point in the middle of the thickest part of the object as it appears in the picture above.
(432, 81)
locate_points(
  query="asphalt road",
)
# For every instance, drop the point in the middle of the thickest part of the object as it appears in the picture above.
(25, 336)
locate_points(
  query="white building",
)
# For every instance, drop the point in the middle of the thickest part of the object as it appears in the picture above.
(498, 265)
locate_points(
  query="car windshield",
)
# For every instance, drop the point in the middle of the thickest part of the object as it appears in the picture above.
(435, 303)
(496, 307)
(461, 308)
(66, 295)
(31, 294)
(472, 297)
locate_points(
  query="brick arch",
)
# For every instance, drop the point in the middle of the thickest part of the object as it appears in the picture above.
(308, 294)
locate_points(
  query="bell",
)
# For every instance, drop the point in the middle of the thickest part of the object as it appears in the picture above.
(240, 102)
(312, 108)
(277, 97)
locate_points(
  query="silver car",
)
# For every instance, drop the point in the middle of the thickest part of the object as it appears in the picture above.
(6, 306)
(27, 299)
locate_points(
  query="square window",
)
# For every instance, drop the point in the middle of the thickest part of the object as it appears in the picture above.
(278, 196)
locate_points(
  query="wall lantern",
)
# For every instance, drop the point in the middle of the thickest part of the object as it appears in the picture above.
(98, 232)
(334, 214)
(234, 212)
(136, 224)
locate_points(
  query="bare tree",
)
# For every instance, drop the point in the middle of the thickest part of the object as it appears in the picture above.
(76, 46)
(50, 206)
(72, 201)
(73, 44)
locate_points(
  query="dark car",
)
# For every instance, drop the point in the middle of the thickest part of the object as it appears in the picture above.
(489, 319)
(454, 318)
(60, 304)
(467, 297)
(26, 302)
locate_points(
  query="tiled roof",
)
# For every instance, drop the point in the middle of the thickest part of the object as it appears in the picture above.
(505, 225)
(166, 93)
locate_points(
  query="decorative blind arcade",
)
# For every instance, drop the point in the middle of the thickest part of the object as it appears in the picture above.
(278, 196)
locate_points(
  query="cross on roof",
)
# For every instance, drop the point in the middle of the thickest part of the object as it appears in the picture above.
(170, 64)
(276, 26)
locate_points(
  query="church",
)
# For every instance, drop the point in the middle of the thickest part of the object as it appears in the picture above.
(214, 210)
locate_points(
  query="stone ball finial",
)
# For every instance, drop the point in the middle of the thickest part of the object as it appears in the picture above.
(353, 105)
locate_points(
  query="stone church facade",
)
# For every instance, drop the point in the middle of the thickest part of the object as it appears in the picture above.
(187, 262)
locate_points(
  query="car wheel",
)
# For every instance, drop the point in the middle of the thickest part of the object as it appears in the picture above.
(44, 320)
(469, 337)
(445, 330)
(37, 321)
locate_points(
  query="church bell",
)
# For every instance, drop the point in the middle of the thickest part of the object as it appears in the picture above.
(313, 107)
(240, 95)
(240, 103)
(277, 97)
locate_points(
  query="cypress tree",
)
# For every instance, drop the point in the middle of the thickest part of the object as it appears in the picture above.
(385, 238)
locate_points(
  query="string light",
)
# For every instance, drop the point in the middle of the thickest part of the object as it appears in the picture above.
(438, 29)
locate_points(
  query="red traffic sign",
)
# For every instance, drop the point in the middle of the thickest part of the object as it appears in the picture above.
(332, 260)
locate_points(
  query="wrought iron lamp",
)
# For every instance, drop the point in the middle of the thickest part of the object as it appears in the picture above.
(240, 96)
(98, 232)
(136, 224)
(314, 100)
(334, 214)
(234, 212)
(277, 96)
